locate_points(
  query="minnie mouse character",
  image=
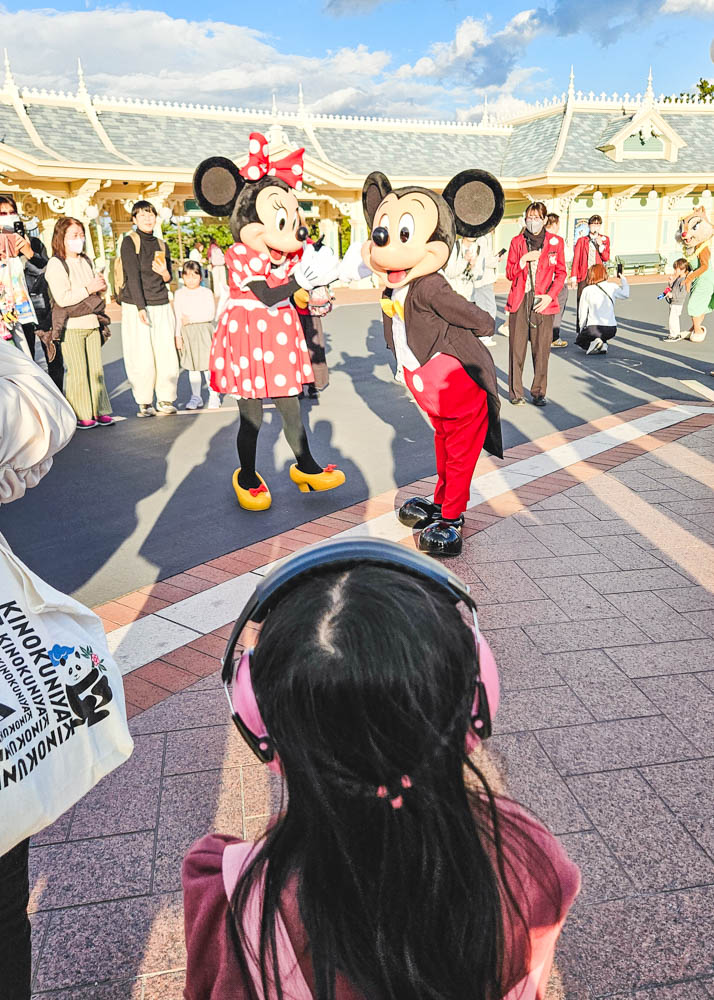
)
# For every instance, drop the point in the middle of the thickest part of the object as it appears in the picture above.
(259, 350)
(434, 333)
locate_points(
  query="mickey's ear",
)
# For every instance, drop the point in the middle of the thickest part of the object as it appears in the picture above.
(217, 184)
(374, 190)
(477, 201)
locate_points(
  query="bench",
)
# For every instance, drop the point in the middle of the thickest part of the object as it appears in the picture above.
(640, 262)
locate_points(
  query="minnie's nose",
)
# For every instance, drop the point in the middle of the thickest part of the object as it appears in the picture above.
(380, 236)
(302, 233)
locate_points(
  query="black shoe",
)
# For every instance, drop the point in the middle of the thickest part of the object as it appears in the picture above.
(519, 401)
(312, 392)
(442, 538)
(417, 512)
(539, 400)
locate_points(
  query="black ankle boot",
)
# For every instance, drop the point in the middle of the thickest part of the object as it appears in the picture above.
(417, 512)
(442, 537)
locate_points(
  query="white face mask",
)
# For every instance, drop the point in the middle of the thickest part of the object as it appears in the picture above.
(534, 225)
(9, 221)
(76, 245)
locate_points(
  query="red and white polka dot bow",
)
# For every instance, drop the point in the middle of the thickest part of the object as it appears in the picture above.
(288, 169)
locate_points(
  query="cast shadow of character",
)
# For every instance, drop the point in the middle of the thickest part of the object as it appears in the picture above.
(412, 439)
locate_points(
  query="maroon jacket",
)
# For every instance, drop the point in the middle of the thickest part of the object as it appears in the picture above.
(549, 275)
(439, 320)
(541, 876)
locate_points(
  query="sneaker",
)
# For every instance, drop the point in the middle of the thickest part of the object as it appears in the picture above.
(214, 401)
(538, 400)
(559, 343)
(603, 349)
(106, 420)
(504, 329)
(399, 376)
(488, 341)
(520, 401)
(673, 338)
(194, 403)
(146, 410)
(594, 346)
(165, 408)
(85, 425)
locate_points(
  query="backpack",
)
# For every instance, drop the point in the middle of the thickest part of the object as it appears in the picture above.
(118, 271)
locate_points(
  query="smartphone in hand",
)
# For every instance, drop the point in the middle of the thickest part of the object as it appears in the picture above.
(501, 252)
(619, 270)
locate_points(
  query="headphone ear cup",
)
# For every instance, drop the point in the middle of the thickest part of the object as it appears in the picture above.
(486, 696)
(247, 717)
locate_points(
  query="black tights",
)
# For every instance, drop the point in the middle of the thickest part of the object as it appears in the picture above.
(251, 417)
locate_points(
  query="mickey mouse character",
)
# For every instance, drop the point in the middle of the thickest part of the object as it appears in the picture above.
(259, 350)
(434, 333)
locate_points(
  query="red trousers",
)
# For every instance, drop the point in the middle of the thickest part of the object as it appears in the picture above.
(458, 411)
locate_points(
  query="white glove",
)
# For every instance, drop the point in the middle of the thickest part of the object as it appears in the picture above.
(352, 266)
(317, 267)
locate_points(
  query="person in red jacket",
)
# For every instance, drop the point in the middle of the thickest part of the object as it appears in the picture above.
(536, 270)
(591, 249)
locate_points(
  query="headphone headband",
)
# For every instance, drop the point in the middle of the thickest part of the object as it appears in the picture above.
(317, 559)
(348, 552)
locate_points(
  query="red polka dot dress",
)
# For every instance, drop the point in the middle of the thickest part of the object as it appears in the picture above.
(258, 352)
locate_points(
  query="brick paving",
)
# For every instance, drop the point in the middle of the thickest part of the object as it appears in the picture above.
(596, 589)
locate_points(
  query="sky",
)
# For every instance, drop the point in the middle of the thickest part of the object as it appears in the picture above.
(390, 58)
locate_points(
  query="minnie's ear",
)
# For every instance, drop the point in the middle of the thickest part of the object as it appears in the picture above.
(217, 184)
(477, 201)
(374, 190)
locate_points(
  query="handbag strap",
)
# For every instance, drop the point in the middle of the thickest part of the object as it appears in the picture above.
(236, 859)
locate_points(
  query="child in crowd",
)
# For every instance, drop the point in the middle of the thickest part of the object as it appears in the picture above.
(596, 311)
(393, 870)
(676, 299)
(195, 309)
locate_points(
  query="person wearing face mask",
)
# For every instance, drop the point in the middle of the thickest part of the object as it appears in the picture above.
(34, 257)
(74, 287)
(536, 270)
(591, 249)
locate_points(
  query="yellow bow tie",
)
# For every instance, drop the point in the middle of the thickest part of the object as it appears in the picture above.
(392, 306)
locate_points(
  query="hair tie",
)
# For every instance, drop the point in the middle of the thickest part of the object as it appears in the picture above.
(398, 801)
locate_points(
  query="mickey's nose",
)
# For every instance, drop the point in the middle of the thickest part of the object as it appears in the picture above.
(302, 233)
(380, 236)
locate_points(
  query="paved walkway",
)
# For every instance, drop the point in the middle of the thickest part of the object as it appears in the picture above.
(590, 555)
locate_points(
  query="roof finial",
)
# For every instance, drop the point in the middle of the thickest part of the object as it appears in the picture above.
(275, 106)
(649, 93)
(301, 100)
(9, 81)
(81, 86)
(484, 116)
(571, 84)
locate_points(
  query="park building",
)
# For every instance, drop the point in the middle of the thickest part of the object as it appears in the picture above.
(640, 161)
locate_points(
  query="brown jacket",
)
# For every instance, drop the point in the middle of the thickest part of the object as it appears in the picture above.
(438, 319)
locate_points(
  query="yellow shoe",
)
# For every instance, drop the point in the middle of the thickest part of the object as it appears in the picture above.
(328, 479)
(257, 499)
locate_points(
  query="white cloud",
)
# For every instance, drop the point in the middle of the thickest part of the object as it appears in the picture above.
(687, 6)
(156, 56)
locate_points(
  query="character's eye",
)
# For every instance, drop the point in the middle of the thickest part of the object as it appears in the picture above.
(384, 222)
(406, 227)
(281, 219)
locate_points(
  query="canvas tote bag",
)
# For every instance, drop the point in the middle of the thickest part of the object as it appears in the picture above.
(62, 714)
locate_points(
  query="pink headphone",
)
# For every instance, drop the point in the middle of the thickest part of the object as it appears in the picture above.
(239, 686)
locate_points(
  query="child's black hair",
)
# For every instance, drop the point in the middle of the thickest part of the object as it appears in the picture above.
(363, 676)
(193, 266)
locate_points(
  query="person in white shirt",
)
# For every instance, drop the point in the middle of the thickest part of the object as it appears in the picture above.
(471, 271)
(596, 310)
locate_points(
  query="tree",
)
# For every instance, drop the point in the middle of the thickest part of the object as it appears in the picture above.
(703, 91)
(196, 231)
